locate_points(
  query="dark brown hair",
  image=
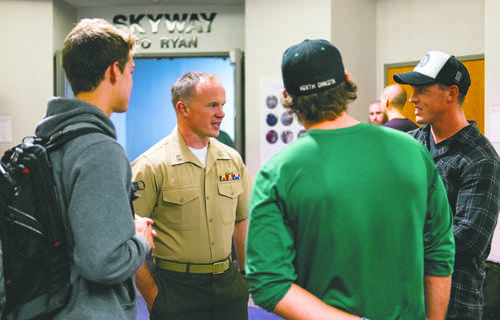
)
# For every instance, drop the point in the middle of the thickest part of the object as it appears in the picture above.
(90, 48)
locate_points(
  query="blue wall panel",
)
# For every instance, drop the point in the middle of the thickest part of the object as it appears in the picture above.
(151, 115)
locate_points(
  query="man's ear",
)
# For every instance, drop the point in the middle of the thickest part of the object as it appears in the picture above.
(181, 108)
(384, 102)
(114, 72)
(284, 93)
(453, 90)
(347, 77)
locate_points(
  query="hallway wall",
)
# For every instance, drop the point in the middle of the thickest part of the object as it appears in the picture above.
(492, 95)
(25, 63)
(28, 32)
(270, 28)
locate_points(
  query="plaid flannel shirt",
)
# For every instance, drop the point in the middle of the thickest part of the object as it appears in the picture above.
(470, 169)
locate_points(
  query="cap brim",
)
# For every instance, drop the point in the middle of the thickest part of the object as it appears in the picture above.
(413, 78)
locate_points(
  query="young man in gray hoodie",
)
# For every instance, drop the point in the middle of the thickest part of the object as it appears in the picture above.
(93, 175)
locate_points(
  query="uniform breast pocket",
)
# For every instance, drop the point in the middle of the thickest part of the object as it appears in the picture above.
(181, 208)
(228, 193)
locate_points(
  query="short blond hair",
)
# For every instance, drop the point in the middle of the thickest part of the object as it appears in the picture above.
(184, 87)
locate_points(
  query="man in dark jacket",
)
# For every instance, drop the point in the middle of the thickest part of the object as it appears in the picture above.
(469, 166)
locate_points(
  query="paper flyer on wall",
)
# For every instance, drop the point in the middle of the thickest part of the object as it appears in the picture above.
(279, 126)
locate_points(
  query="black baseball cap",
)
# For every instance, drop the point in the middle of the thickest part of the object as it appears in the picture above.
(437, 67)
(312, 66)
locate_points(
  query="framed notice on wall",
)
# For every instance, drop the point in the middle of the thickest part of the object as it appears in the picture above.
(279, 126)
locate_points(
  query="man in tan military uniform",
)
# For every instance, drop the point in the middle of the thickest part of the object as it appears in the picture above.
(196, 191)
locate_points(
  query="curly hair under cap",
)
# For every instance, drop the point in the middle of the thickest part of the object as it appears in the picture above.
(325, 105)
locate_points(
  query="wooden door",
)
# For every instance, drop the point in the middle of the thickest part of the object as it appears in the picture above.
(474, 101)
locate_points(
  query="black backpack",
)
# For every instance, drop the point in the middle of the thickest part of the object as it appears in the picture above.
(36, 261)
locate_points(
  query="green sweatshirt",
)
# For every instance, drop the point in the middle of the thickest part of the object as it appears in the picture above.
(356, 216)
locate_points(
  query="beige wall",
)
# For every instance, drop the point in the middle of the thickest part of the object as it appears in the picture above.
(25, 64)
(64, 20)
(354, 33)
(492, 83)
(407, 29)
(271, 27)
(492, 67)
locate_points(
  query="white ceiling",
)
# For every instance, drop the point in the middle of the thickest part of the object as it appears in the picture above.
(119, 3)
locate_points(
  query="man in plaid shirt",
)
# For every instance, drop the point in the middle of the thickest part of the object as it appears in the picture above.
(469, 167)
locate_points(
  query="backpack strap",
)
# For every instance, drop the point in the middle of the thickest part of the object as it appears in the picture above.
(6, 175)
(70, 132)
(55, 142)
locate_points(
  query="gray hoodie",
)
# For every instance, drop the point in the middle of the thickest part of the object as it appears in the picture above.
(93, 174)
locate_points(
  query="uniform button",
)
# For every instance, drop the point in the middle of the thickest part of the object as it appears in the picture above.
(213, 243)
(208, 197)
(211, 220)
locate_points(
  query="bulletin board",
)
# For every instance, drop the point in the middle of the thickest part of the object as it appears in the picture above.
(279, 125)
(474, 101)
